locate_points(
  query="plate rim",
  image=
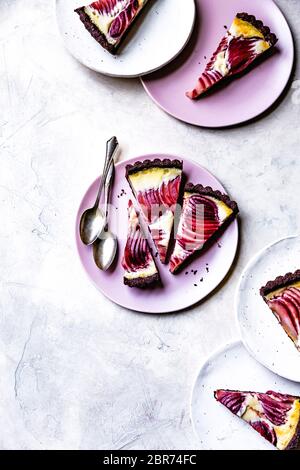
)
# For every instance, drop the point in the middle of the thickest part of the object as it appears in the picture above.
(216, 352)
(118, 75)
(109, 297)
(237, 314)
(244, 120)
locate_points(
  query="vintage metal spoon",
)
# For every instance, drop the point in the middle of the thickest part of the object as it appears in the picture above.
(105, 247)
(93, 221)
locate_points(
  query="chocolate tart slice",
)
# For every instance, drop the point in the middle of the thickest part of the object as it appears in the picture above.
(283, 297)
(156, 186)
(108, 21)
(245, 41)
(273, 415)
(205, 215)
(138, 262)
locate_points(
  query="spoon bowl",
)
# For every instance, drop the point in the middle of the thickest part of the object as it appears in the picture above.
(92, 223)
(105, 250)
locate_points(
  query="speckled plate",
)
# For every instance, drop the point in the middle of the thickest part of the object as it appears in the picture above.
(231, 368)
(261, 333)
(158, 36)
(178, 292)
(243, 98)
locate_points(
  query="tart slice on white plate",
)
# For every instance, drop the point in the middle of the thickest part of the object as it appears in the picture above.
(283, 298)
(275, 416)
(108, 21)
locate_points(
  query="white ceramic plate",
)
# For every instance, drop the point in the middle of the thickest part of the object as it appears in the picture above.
(234, 369)
(261, 333)
(158, 36)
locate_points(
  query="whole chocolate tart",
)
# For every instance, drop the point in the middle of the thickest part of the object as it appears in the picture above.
(138, 262)
(275, 416)
(205, 215)
(156, 187)
(108, 21)
(283, 298)
(245, 41)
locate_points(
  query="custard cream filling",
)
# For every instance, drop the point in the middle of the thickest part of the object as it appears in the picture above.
(240, 28)
(164, 224)
(246, 30)
(286, 433)
(142, 273)
(261, 46)
(252, 409)
(104, 20)
(153, 178)
(221, 64)
(279, 291)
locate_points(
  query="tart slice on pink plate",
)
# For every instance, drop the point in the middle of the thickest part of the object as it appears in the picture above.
(283, 298)
(245, 41)
(205, 215)
(156, 186)
(108, 21)
(138, 262)
(273, 415)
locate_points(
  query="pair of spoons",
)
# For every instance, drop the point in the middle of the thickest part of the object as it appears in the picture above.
(93, 227)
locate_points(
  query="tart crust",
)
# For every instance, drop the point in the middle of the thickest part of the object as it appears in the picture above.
(157, 163)
(280, 282)
(143, 283)
(295, 442)
(94, 31)
(208, 191)
(270, 37)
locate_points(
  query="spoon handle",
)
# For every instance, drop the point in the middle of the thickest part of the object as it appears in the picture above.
(107, 189)
(111, 147)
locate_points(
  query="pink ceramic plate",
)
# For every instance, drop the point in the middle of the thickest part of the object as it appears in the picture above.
(178, 292)
(243, 98)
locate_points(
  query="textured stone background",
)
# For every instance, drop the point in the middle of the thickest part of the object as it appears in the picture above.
(76, 371)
